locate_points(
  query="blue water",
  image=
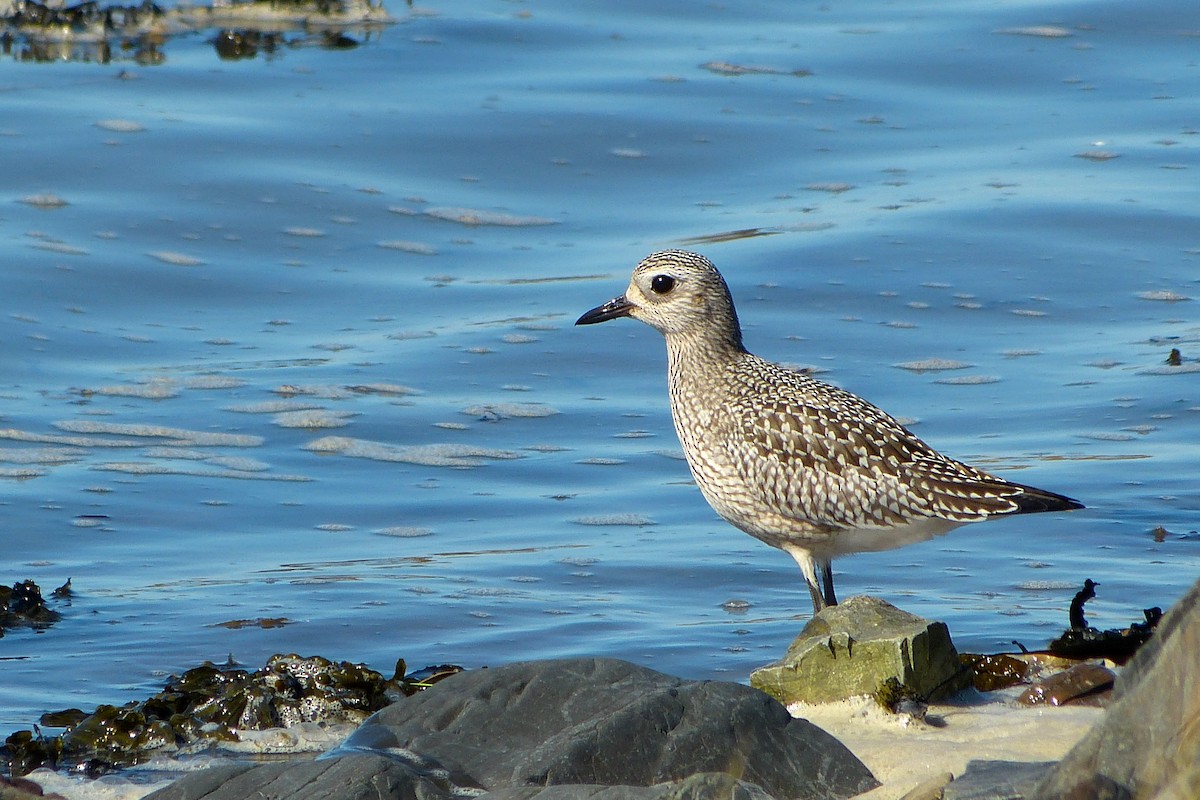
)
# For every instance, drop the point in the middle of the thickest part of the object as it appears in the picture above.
(288, 234)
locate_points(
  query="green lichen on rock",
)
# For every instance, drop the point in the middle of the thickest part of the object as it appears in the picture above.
(856, 648)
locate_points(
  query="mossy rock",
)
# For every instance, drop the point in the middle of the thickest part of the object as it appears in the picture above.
(857, 648)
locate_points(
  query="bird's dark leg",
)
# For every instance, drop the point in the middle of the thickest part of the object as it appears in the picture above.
(818, 599)
(825, 570)
(818, 576)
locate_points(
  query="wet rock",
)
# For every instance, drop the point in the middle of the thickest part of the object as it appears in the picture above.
(353, 777)
(573, 729)
(112, 735)
(1082, 683)
(1148, 745)
(992, 672)
(701, 786)
(932, 788)
(23, 605)
(609, 722)
(208, 705)
(997, 780)
(362, 776)
(25, 751)
(856, 647)
(21, 789)
(1116, 644)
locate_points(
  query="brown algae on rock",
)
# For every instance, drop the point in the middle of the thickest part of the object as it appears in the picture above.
(211, 705)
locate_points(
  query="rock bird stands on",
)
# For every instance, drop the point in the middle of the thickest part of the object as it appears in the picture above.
(801, 465)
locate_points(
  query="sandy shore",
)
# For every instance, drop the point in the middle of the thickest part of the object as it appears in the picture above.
(903, 752)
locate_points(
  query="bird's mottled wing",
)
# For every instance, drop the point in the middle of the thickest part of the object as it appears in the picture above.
(960, 492)
(822, 455)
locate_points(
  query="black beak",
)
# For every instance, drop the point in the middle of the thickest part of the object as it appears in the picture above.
(617, 307)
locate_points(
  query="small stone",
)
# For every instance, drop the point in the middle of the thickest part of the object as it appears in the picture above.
(992, 672)
(854, 648)
(1077, 684)
(1000, 780)
(930, 788)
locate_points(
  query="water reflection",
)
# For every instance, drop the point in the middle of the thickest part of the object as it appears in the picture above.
(89, 32)
(234, 45)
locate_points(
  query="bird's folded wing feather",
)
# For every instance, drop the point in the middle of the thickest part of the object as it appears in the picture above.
(820, 454)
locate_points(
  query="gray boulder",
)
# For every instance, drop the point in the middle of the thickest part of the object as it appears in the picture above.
(608, 722)
(855, 648)
(997, 780)
(354, 777)
(574, 729)
(701, 786)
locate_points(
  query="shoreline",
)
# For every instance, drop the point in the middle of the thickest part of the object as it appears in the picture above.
(904, 752)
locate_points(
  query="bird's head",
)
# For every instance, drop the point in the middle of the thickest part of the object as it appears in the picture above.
(677, 292)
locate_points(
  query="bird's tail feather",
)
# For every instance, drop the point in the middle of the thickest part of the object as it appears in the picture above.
(1032, 501)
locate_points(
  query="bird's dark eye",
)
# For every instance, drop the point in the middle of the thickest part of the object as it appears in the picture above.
(661, 284)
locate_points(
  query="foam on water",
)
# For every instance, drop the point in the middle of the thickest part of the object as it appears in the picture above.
(417, 248)
(44, 201)
(153, 468)
(636, 520)
(502, 410)
(404, 531)
(273, 407)
(473, 217)
(313, 418)
(431, 455)
(75, 441)
(933, 365)
(968, 380)
(176, 259)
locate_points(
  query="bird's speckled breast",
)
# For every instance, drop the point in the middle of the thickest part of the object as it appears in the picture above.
(707, 408)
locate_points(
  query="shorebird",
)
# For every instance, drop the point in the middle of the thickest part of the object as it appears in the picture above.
(801, 465)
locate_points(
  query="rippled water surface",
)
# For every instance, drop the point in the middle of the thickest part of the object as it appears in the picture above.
(292, 336)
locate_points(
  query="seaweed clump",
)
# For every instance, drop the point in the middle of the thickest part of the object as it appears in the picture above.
(209, 705)
(1116, 644)
(1074, 668)
(23, 605)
